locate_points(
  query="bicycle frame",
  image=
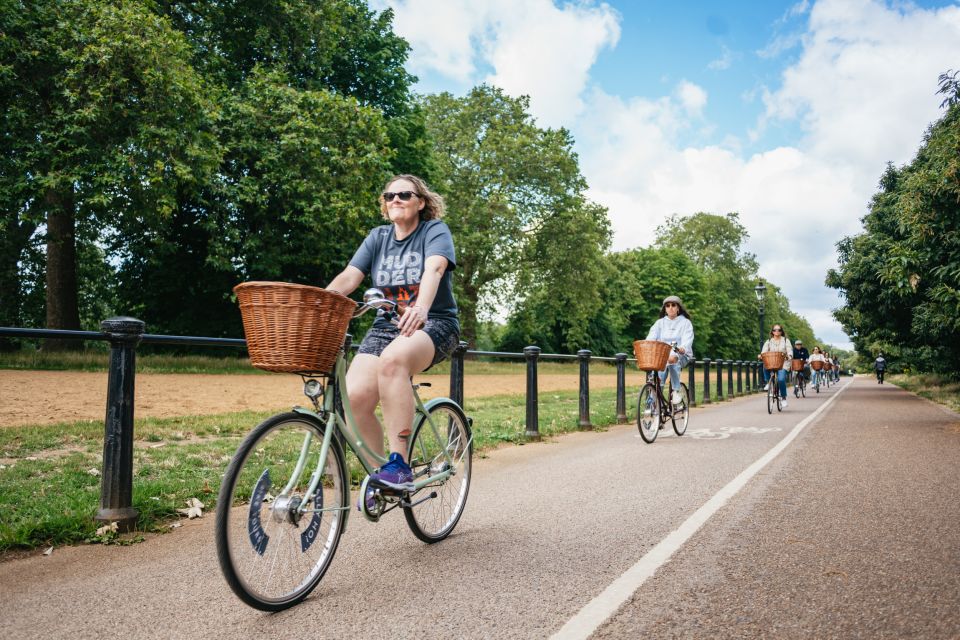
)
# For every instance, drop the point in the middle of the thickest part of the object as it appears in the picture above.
(345, 425)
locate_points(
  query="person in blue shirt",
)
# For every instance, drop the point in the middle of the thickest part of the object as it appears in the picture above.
(411, 260)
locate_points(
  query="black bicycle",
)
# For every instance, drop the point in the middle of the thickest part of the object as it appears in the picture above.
(654, 408)
(799, 384)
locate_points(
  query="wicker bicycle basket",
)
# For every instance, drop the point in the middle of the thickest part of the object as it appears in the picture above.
(816, 365)
(773, 359)
(796, 364)
(293, 328)
(651, 355)
(827, 366)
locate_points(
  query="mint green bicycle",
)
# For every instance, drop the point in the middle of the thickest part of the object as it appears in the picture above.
(285, 498)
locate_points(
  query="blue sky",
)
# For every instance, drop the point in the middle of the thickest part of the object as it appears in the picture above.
(786, 112)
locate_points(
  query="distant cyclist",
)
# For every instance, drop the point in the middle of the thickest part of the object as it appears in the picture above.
(816, 356)
(778, 342)
(674, 326)
(880, 364)
(800, 353)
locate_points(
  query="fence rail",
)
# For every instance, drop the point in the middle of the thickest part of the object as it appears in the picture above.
(124, 335)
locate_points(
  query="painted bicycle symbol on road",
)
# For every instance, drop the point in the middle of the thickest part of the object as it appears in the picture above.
(721, 433)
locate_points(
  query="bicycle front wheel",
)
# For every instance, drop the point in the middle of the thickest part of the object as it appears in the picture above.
(445, 444)
(771, 393)
(681, 411)
(274, 539)
(648, 413)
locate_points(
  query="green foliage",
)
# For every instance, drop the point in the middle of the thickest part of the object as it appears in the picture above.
(523, 228)
(901, 276)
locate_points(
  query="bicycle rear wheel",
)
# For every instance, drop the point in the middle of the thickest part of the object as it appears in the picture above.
(433, 519)
(680, 411)
(273, 550)
(648, 413)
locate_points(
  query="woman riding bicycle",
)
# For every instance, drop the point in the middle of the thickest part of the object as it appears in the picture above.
(410, 260)
(778, 342)
(816, 356)
(674, 326)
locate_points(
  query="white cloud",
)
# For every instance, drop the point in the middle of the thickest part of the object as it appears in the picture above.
(724, 61)
(692, 97)
(525, 47)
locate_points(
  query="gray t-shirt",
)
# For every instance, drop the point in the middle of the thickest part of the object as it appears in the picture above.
(396, 266)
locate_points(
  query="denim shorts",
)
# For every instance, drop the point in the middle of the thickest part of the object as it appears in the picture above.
(443, 332)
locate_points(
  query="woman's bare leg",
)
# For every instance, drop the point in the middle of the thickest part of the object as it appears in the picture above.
(363, 389)
(403, 358)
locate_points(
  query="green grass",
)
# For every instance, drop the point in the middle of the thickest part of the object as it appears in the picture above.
(940, 389)
(50, 487)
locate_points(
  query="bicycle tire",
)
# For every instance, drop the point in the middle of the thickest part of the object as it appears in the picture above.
(648, 413)
(434, 519)
(771, 386)
(803, 388)
(681, 417)
(273, 558)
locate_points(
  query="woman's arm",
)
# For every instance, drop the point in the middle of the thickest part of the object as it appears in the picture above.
(346, 281)
(416, 316)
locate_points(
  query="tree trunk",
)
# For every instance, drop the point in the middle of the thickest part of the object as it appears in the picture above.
(14, 236)
(468, 316)
(61, 296)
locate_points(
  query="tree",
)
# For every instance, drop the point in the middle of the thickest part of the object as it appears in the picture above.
(901, 276)
(101, 114)
(715, 244)
(507, 183)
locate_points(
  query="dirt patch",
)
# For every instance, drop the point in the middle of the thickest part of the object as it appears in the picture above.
(49, 397)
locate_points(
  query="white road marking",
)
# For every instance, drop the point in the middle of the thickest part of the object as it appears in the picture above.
(596, 612)
(725, 432)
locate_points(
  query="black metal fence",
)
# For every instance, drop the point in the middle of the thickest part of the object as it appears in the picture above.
(125, 334)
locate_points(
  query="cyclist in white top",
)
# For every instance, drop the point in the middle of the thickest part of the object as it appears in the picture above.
(674, 327)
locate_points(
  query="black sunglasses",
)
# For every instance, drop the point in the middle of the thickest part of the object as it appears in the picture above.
(403, 195)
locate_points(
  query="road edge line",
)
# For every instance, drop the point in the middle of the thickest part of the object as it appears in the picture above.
(604, 605)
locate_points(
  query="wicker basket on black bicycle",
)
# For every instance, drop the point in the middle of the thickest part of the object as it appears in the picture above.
(816, 365)
(796, 364)
(651, 355)
(773, 360)
(293, 328)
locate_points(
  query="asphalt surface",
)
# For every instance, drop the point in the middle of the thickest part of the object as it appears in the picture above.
(851, 531)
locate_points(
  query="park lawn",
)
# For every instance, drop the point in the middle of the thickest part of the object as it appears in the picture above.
(940, 389)
(50, 474)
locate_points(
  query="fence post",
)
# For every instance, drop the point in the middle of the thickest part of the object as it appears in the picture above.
(621, 388)
(456, 373)
(756, 377)
(729, 379)
(706, 381)
(533, 420)
(116, 488)
(739, 377)
(584, 356)
(719, 380)
(691, 383)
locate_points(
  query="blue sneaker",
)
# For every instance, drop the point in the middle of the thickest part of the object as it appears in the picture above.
(396, 474)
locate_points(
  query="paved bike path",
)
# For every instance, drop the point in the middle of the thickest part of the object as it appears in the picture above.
(856, 534)
(547, 527)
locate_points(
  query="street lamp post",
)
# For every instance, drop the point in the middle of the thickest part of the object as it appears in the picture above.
(761, 291)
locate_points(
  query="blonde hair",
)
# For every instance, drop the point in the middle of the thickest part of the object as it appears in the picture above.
(433, 208)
